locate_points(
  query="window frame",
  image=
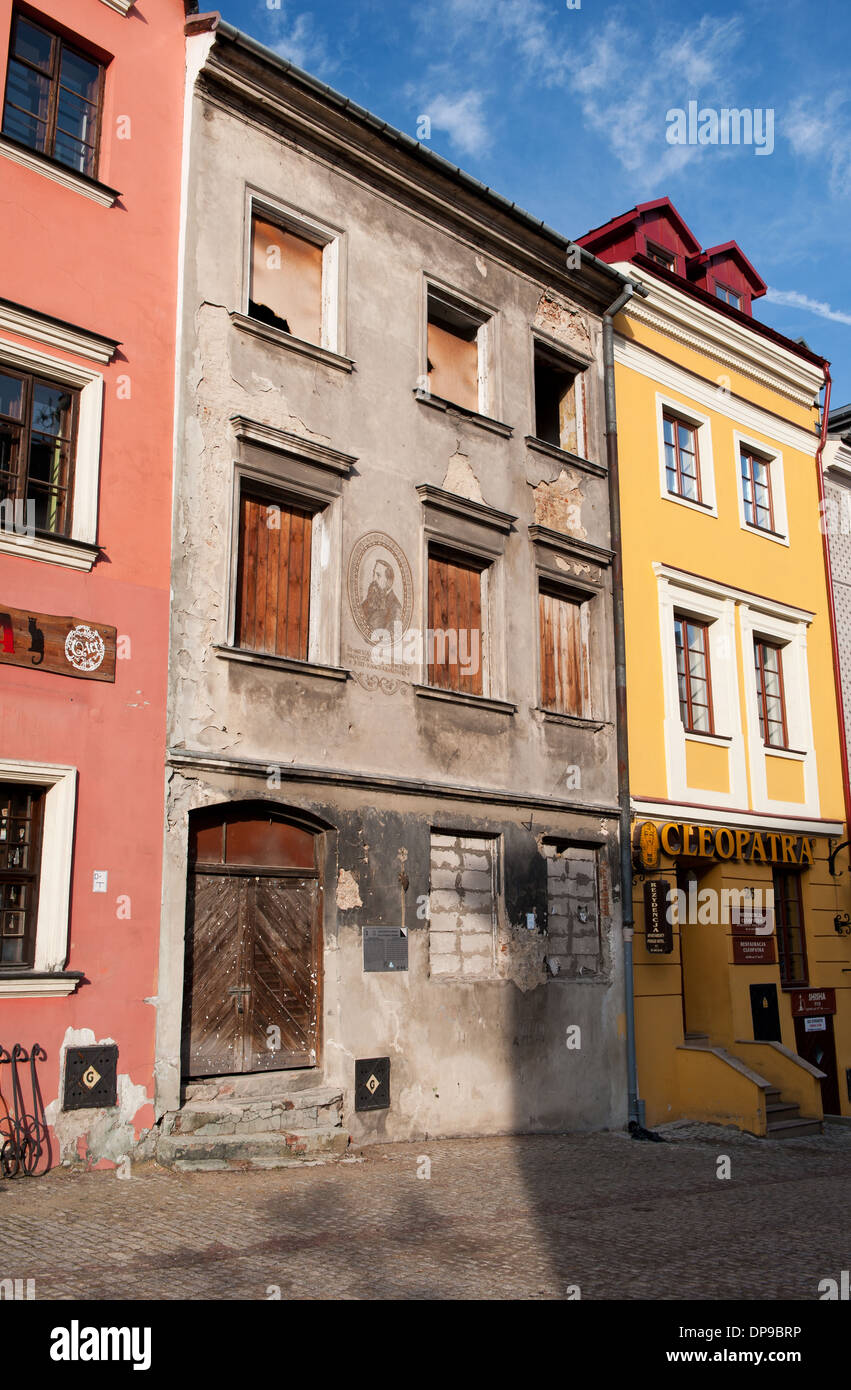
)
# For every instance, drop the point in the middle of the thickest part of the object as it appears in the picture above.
(30, 380)
(678, 422)
(59, 45)
(487, 340)
(332, 295)
(469, 559)
(582, 601)
(723, 293)
(554, 355)
(760, 645)
(686, 620)
(271, 496)
(773, 458)
(54, 896)
(660, 254)
(781, 928)
(701, 425)
(30, 876)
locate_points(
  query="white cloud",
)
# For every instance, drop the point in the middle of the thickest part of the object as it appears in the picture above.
(296, 38)
(793, 300)
(818, 129)
(462, 118)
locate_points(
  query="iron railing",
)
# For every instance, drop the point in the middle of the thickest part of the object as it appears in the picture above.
(24, 1137)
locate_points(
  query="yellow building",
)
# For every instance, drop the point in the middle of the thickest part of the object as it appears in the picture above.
(742, 963)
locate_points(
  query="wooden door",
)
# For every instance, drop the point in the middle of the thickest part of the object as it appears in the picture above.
(252, 973)
(814, 1042)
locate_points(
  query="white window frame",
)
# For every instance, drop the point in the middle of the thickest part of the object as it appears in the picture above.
(696, 598)
(486, 342)
(780, 535)
(89, 383)
(54, 891)
(703, 427)
(332, 241)
(773, 623)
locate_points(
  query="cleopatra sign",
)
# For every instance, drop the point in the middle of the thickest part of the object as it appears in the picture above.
(683, 840)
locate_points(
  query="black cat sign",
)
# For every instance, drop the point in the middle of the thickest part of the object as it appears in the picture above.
(64, 646)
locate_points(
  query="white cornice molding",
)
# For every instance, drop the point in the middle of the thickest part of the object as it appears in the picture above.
(667, 811)
(54, 334)
(837, 460)
(98, 192)
(699, 584)
(710, 396)
(122, 6)
(687, 320)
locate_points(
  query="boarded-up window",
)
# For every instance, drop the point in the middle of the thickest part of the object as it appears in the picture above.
(573, 909)
(286, 281)
(565, 672)
(453, 354)
(273, 580)
(455, 636)
(462, 905)
(558, 402)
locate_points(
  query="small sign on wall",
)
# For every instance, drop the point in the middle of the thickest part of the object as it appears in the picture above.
(753, 950)
(658, 929)
(372, 1083)
(815, 1025)
(64, 646)
(385, 948)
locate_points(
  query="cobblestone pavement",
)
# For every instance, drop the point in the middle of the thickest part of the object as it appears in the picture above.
(503, 1218)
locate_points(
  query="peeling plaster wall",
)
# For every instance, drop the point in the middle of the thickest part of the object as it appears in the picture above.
(104, 1136)
(467, 1056)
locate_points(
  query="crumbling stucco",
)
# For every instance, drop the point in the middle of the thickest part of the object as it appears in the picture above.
(558, 505)
(461, 479)
(555, 317)
(89, 1136)
(348, 893)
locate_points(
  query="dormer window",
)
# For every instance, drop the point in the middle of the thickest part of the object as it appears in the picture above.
(661, 256)
(729, 296)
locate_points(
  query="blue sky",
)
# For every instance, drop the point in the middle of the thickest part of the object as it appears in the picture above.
(563, 110)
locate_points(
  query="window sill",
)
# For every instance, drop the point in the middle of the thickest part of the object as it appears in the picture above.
(281, 663)
(552, 451)
(458, 697)
(70, 554)
(269, 334)
(39, 984)
(576, 721)
(450, 408)
(122, 6)
(60, 173)
(779, 537)
(795, 755)
(702, 736)
(708, 509)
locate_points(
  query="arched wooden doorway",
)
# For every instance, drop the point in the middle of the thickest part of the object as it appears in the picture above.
(253, 942)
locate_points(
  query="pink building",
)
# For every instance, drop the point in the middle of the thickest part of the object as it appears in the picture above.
(90, 172)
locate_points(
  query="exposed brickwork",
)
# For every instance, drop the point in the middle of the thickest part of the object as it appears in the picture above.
(462, 913)
(573, 910)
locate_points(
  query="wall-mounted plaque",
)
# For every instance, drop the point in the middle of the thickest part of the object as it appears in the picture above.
(658, 928)
(385, 948)
(753, 950)
(64, 646)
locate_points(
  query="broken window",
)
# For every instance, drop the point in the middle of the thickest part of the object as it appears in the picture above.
(286, 280)
(565, 672)
(455, 638)
(558, 401)
(573, 908)
(456, 354)
(273, 577)
(462, 905)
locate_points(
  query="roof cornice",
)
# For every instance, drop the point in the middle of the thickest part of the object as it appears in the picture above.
(742, 349)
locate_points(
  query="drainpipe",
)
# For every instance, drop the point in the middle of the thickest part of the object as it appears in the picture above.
(831, 606)
(636, 1107)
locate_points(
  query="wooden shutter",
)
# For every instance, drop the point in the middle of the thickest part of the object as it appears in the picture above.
(455, 639)
(273, 584)
(565, 677)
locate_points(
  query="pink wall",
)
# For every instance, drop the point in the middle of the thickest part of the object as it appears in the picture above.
(111, 271)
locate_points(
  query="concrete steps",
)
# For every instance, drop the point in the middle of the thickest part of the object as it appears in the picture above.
(261, 1121)
(784, 1118)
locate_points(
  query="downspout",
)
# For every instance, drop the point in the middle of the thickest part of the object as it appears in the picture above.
(636, 1107)
(831, 604)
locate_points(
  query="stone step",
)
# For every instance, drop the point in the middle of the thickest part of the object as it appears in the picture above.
(782, 1110)
(238, 1114)
(192, 1152)
(251, 1084)
(794, 1129)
